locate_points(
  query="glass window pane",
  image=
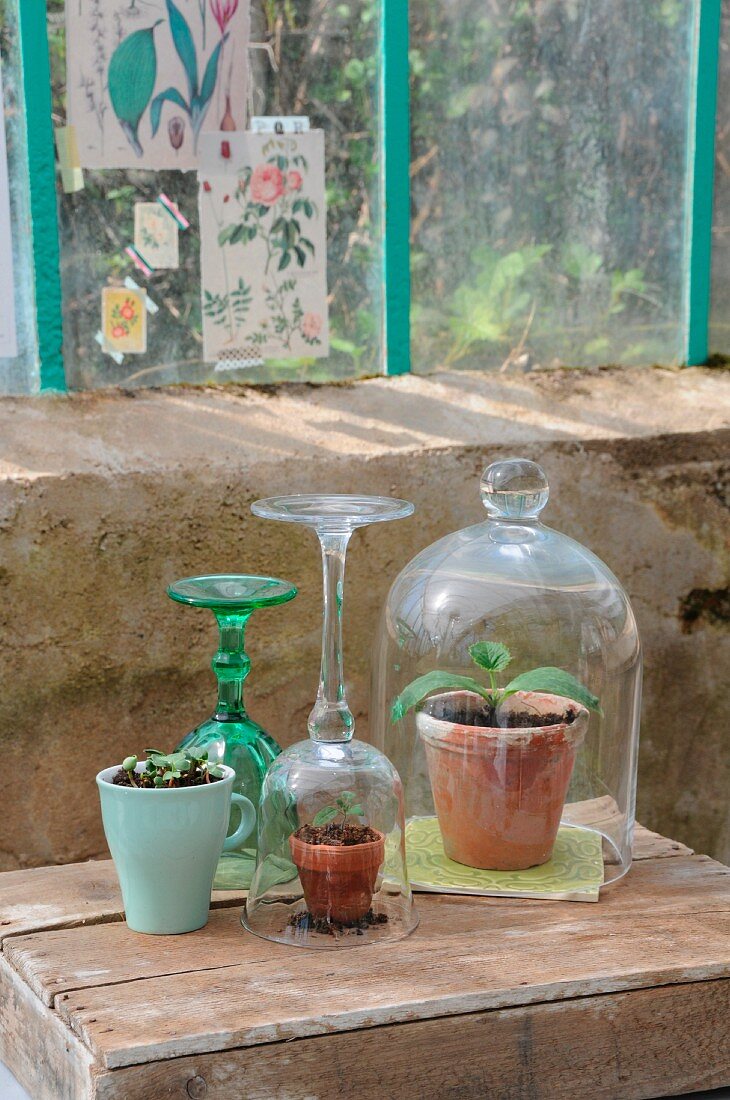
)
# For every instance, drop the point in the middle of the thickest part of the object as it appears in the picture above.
(549, 181)
(720, 311)
(19, 374)
(319, 60)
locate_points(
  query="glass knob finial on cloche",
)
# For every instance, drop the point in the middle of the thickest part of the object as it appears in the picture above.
(514, 488)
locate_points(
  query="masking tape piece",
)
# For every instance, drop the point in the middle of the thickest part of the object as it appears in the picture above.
(72, 176)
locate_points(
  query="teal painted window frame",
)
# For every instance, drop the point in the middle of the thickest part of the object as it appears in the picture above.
(701, 179)
(395, 186)
(43, 202)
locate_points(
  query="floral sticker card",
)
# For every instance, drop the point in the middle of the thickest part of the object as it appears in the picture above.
(263, 246)
(156, 235)
(144, 78)
(124, 320)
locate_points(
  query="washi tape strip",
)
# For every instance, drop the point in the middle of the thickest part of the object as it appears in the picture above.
(130, 284)
(69, 161)
(138, 260)
(173, 210)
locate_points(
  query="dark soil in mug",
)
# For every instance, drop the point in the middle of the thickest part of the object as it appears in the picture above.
(336, 834)
(489, 718)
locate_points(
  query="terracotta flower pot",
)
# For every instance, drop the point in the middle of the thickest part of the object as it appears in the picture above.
(338, 880)
(499, 793)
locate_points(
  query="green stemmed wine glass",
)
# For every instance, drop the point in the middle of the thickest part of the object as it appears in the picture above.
(230, 736)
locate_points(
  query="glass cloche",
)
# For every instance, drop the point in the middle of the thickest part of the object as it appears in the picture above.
(330, 863)
(506, 691)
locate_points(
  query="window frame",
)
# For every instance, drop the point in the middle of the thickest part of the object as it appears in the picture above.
(395, 186)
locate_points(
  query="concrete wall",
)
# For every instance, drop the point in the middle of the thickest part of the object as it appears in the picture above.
(105, 498)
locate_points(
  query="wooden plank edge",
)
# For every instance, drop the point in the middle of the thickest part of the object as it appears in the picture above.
(649, 845)
(623, 1046)
(111, 916)
(39, 1049)
(448, 1007)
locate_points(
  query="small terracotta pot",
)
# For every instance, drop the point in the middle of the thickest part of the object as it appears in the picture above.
(499, 793)
(338, 880)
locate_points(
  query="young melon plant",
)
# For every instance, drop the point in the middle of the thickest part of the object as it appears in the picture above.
(494, 657)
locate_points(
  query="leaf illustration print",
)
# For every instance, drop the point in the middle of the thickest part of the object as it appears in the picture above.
(131, 81)
(199, 95)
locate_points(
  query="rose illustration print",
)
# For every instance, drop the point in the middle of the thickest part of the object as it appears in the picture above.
(267, 184)
(124, 320)
(263, 246)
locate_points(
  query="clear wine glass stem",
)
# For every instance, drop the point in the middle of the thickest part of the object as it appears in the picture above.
(231, 665)
(331, 719)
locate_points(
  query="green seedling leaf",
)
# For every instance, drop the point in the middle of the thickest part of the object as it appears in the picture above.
(490, 655)
(417, 691)
(329, 813)
(129, 763)
(555, 681)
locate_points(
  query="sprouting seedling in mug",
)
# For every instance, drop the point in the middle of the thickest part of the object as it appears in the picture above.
(175, 769)
(345, 806)
(494, 657)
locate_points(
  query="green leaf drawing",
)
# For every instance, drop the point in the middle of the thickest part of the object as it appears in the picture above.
(131, 80)
(211, 73)
(185, 46)
(170, 95)
(196, 106)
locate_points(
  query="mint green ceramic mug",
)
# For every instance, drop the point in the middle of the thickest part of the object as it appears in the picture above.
(165, 844)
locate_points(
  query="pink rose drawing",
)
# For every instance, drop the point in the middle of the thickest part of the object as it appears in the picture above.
(118, 332)
(294, 181)
(267, 184)
(311, 326)
(223, 12)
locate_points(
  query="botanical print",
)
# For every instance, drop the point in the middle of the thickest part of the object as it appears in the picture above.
(8, 335)
(146, 77)
(263, 246)
(124, 320)
(156, 235)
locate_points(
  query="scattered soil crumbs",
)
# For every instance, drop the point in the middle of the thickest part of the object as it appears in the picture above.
(305, 922)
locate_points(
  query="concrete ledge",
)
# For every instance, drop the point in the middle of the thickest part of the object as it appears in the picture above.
(106, 497)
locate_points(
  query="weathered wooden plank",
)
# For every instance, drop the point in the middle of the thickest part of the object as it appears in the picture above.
(288, 994)
(57, 961)
(649, 845)
(88, 893)
(626, 1046)
(69, 895)
(47, 1059)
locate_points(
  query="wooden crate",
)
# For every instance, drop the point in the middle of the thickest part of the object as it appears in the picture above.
(489, 998)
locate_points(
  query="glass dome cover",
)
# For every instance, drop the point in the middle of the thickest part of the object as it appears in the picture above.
(506, 691)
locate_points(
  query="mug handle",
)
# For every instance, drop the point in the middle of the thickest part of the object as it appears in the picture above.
(248, 820)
